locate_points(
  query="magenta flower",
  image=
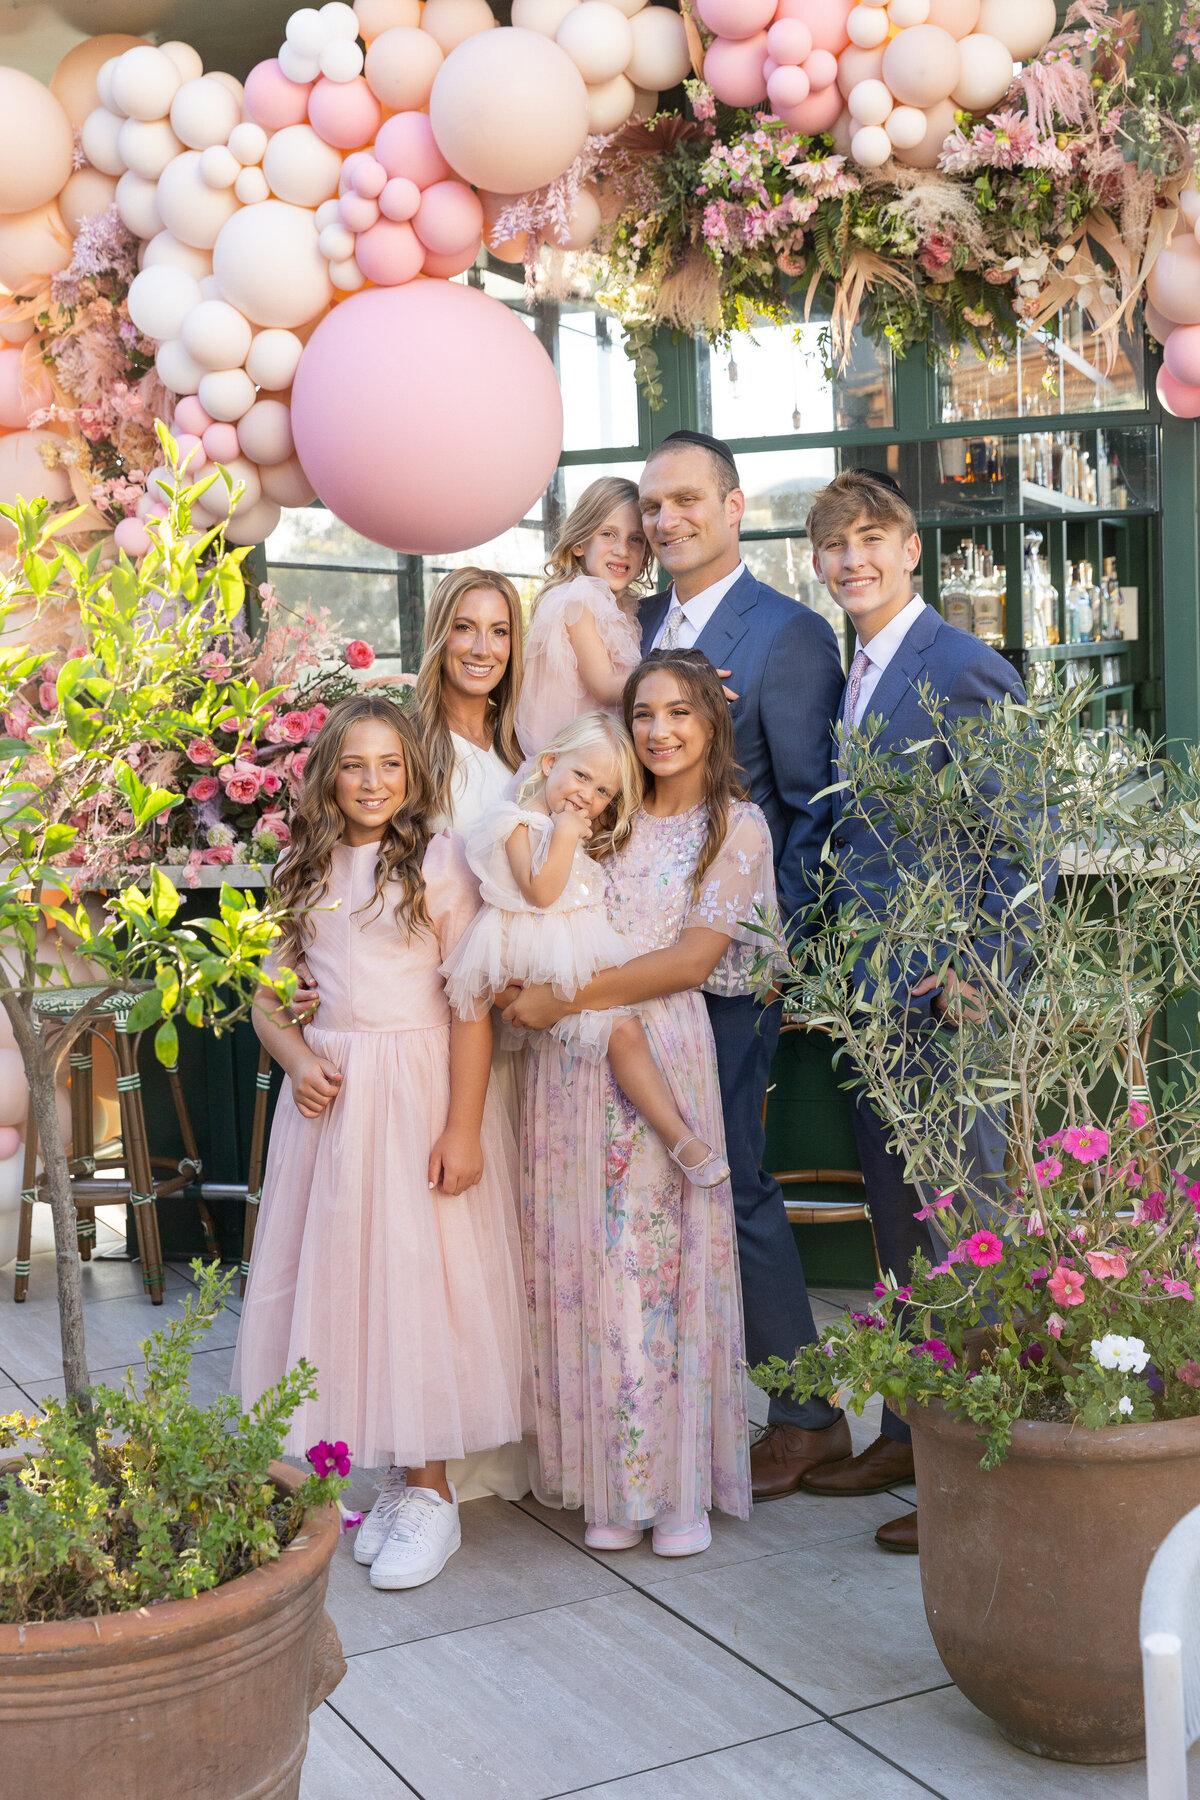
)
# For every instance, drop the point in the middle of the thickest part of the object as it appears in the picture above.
(326, 1458)
(1189, 1373)
(1047, 1171)
(984, 1248)
(1087, 1144)
(933, 1207)
(1178, 1290)
(1138, 1114)
(1066, 1286)
(1106, 1265)
(358, 654)
(939, 1351)
(201, 751)
(1151, 1209)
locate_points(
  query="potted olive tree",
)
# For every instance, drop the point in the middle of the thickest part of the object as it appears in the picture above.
(157, 1568)
(1049, 1360)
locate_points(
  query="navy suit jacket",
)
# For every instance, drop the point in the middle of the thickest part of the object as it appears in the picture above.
(787, 673)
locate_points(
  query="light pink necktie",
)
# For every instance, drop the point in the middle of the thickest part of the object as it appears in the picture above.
(858, 669)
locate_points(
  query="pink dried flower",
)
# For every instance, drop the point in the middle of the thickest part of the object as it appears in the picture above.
(1189, 1373)
(359, 655)
(47, 695)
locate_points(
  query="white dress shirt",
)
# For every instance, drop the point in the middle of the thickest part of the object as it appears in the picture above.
(698, 610)
(880, 651)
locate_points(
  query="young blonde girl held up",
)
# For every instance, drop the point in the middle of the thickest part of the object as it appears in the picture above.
(543, 919)
(386, 1250)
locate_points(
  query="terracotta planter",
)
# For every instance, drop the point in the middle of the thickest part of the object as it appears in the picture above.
(1032, 1572)
(208, 1697)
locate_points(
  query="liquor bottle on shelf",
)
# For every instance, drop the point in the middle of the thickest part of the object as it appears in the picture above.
(956, 597)
(1039, 596)
(1079, 608)
(1113, 621)
(988, 600)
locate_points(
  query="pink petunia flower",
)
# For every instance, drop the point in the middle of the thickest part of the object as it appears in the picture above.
(1054, 1324)
(984, 1248)
(205, 787)
(1106, 1265)
(326, 1458)
(940, 1352)
(1066, 1286)
(1087, 1144)
(1047, 1171)
(1178, 1290)
(933, 1207)
(1034, 1226)
(201, 751)
(1138, 1114)
(1189, 1373)
(1151, 1209)
(358, 654)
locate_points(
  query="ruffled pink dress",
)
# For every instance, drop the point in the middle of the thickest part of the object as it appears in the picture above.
(562, 945)
(408, 1302)
(552, 691)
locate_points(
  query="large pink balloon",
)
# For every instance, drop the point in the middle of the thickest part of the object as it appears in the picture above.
(826, 20)
(273, 101)
(1179, 399)
(733, 69)
(736, 18)
(1173, 284)
(817, 113)
(427, 417)
(1181, 353)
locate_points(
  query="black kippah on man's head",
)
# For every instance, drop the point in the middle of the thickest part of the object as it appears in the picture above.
(717, 447)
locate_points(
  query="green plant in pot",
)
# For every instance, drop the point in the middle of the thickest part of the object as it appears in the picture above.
(1048, 1361)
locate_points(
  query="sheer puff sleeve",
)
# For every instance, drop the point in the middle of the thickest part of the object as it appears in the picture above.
(737, 889)
(451, 890)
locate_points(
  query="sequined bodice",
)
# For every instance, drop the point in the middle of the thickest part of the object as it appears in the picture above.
(648, 888)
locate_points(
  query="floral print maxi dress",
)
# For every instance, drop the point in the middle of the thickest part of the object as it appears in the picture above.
(631, 1272)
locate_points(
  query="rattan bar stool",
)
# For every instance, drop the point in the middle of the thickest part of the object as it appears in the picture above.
(139, 1184)
(258, 1148)
(817, 1212)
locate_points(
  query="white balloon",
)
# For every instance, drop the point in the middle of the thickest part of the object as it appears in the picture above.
(273, 360)
(300, 167)
(339, 20)
(176, 369)
(147, 146)
(99, 136)
(870, 102)
(189, 62)
(908, 12)
(248, 142)
(270, 266)
(219, 167)
(543, 16)
(870, 146)
(660, 50)
(337, 243)
(305, 31)
(987, 71)
(253, 524)
(628, 7)
(610, 103)
(160, 299)
(265, 433)
(189, 208)
(138, 205)
(598, 38)
(216, 335)
(226, 393)
(867, 26)
(341, 61)
(104, 80)
(287, 484)
(327, 214)
(302, 69)
(144, 83)
(210, 288)
(905, 126)
(204, 112)
(251, 187)
(346, 275)
(1023, 26)
(166, 248)
(232, 83)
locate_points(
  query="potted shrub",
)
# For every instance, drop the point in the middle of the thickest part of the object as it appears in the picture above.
(1049, 1361)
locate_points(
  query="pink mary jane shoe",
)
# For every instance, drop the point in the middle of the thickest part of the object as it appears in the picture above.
(672, 1537)
(612, 1537)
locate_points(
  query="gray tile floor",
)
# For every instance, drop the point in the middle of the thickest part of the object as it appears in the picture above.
(791, 1661)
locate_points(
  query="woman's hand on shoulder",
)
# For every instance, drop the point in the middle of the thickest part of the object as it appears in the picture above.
(456, 1161)
(316, 1084)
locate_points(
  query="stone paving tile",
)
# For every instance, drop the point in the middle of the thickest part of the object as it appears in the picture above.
(339, 1766)
(536, 1706)
(210, 1377)
(31, 1348)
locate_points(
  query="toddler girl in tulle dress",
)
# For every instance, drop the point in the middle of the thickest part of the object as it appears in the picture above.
(543, 919)
(583, 638)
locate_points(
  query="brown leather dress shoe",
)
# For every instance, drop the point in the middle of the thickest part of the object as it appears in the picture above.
(899, 1535)
(883, 1465)
(781, 1455)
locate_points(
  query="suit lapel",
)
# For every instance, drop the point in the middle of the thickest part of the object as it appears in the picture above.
(907, 664)
(730, 622)
(651, 614)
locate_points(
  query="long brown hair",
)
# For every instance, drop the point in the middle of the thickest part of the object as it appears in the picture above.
(597, 503)
(723, 782)
(444, 603)
(302, 878)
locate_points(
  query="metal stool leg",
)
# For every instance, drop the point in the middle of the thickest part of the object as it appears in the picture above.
(28, 1190)
(83, 1159)
(138, 1169)
(258, 1142)
(191, 1158)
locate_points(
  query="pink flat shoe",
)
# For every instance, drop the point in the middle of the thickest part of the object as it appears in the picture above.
(613, 1537)
(671, 1537)
(709, 1171)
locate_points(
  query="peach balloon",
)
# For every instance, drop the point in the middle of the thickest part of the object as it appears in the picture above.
(24, 389)
(377, 407)
(789, 41)
(189, 209)
(987, 72)
(509, 110)
(922, 65)
(345, 113)
(375, 17)
(221, 440)
(660, 49)
(598, 38)
(855, 65)
(450, 217)
(1173, 285)
(444, 268)
(13, 331)
(87, 192)
(1156, 325)
(406, 146)
(273, 101)
(36, 143)
(1024, 26)
(870, 146)
(389, 254)
(958, 17)
(401, 66)
(14, 1089)
(252, 524)
(787, 86)
(818, 113)
(287, 484)
(32, 244)
(73, 83)
(165, 247)
(867, 26)
(737, 18)
(1180, 400)
(909, 12)
(939, 123)
(905, 126)
(821, 68)
(265, 433)
(269, 264)
(132, 537)
(610, 104)
(301, 167)
(452, 22)
(826, 20)
(23, 472)
(733, 69)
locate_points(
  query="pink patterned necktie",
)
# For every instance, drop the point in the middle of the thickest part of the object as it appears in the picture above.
(858, 669)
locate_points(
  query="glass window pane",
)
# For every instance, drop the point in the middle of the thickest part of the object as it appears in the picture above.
(786, 564)
(1059, 369)
(363, 606)
(963, 476)
(519, 554)
(771, 381)
(310, 534)
(1088, 471)
(780, 484)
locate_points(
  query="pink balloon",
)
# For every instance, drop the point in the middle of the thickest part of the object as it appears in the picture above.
(369, 178)
(221, 443)
(273, 101)
(787, 87)
(818, 113)
(446, 267)
(736, 19)
(406, 146)
(1173, 284)
(769, 68)
(10, 1141)
(190, 416)
(389, 254)
(344, 113)
(449, 219)
(12, 404)
(733, 69)
(826, 19)
(821, 68)
(1181, 400)
(400, 198)
(1156, 325)
(132, 537)
(1181, 354)
(356, 212)
(379, 398)
(789, 41)
(190, 449)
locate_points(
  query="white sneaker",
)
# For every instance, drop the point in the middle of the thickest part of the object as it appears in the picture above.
(424, 1536)
(371, 1535)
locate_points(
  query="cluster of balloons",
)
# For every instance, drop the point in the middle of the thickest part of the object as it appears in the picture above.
(1173, 311)
(887, 77)
(626, 51)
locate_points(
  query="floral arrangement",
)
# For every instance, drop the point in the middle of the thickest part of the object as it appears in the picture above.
(1066, 192)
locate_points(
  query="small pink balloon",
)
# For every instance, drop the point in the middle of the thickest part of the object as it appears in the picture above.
(273, 101)
(736, 19)
(826, 19)
(789, 41)
(1180, 400)
(191, 417)
(1181, 354)
(446, 267)
(818, 113)
(10, 1137)
(769, 68)
(389, 254)
(821, 68)
(449, 219)
(733, 69)
(190, 448)
(369, 179)
(357, 213)
(344, 113)
(351, 164)
(12, 401)
(406, 146)
(132, 537)
(221, 443)
(400, 198)
(787, 87)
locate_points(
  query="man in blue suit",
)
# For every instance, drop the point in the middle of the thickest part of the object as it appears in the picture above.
(781, 662)
(865, 549)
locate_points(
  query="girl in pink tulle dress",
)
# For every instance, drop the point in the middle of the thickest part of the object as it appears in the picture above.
(387, 1251)
(583, 638)
(543, 917)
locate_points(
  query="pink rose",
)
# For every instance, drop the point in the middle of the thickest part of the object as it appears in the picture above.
(295, 727)
(243, 788)
(985, 1248)
(294, 764)
(216, 665)
(277, 825)
(317, 716)
(1087, 1144)
(1106, 1265)
(271, 783)
(358, 654)
(1066, 1286)
(201, 751)
(205, 787)
(273, 731)
(47, 695)
(219, 853)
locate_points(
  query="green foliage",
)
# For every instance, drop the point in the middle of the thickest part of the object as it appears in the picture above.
(142, 1497)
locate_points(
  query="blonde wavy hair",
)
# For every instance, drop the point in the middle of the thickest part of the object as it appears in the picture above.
(430, 708)
(591, 731)
(302, 878)
(597, 503)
